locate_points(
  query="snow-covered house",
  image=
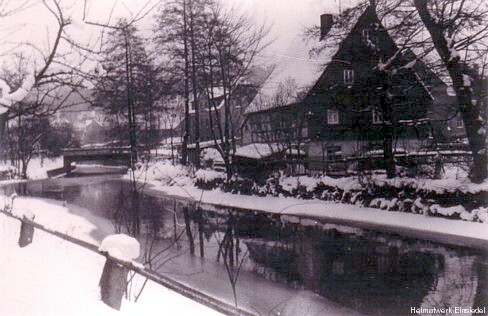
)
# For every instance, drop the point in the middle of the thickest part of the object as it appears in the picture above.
(330, 85)
(346, 118)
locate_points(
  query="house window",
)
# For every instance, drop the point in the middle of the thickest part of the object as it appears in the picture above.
(376, 117)
(334, 153)
(348, 76)
(332, 117)
(365, 35)
(459, 121)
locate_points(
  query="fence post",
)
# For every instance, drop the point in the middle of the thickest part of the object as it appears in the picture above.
(113, 283)
(118, 249)
(26, 232)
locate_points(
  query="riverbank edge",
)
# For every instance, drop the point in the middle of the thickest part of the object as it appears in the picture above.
(446, 231)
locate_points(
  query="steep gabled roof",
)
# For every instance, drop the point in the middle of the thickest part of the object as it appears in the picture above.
(299, 68)
(305, 62)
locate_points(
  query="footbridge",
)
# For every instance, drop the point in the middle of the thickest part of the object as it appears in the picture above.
(106, 155)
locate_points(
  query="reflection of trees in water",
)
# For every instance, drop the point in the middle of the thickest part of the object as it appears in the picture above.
(125, 212)
(169, 229)
(456, 284)
(229, 251)
(375, 273)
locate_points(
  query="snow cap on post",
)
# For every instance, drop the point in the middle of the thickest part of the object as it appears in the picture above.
(121, 247)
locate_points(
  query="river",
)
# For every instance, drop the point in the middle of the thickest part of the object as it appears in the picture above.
(274, 258)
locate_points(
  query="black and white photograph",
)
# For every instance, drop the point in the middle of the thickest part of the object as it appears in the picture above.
(243, 157)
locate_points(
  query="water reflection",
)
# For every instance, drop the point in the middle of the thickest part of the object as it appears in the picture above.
(377, 274)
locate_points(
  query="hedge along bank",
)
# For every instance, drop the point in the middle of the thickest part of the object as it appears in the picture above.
(447, 198)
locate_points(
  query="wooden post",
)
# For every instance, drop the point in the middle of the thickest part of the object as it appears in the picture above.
(113, 283)
(26, 232)
(67, 164)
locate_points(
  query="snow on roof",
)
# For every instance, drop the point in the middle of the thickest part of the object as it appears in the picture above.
(298, 69)
(258, 150)
(211, 154)
(304, 61)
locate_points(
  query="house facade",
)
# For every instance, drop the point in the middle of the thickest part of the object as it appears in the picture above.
(347, 109)
(329, 96)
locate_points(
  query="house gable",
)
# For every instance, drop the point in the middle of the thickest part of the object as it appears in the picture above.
(349, 85)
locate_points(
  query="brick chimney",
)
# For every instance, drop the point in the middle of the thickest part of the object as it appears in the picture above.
(326, 21)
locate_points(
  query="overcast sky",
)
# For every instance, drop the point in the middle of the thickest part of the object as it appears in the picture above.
(37, 26)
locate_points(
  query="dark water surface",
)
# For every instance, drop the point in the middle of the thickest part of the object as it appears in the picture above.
(370, 272)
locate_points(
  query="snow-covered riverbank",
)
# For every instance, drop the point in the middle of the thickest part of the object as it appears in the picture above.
(36, 169)
(176, 181)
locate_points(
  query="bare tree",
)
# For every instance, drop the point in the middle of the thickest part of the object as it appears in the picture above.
(177, 23)
(230, 45)
(446, 22)
(52, 68)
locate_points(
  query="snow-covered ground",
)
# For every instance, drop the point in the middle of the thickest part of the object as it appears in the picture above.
(54, 277)
(177, 181)
(37, 167)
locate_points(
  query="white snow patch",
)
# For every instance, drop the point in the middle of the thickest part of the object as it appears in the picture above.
(257, 150)
(447, 211)
(8, 99)
(209, 175)
(121, 246)
(164, 173)
(37, 167)
(77, 23)
(211, 154)
(54, 277)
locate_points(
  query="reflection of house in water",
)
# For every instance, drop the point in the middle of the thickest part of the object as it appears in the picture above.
(376, 276)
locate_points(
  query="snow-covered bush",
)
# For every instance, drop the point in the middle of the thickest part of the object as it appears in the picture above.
(448, 198)
(7, 172)
(166, 173)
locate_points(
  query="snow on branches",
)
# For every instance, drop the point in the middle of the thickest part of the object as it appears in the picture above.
(8, 99)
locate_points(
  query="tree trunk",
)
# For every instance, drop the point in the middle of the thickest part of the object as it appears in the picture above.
(195, 89)
(471, 113)
(130, 105)
(24, 169)
(200, 233)
(184, 151)
(387, 129)
(3, 122)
